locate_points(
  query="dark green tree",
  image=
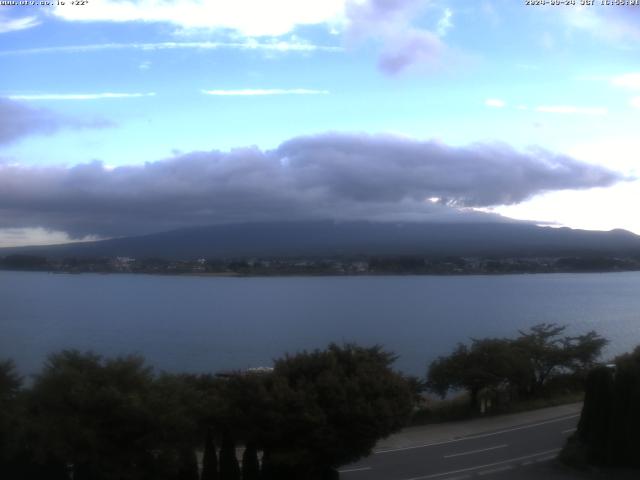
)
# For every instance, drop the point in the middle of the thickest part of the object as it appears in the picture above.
(94, 414)
(486, 364)
(625, 418)
(187, 464)
(544, 349)
(522, 366)
(210, 458)
(266, 468)
(250, 464)
(607, 433)
(11, 418)
(229, 467)
(594, 427)
(330, 407)
(583, 351)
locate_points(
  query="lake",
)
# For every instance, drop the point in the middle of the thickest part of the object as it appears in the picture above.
(207, 324)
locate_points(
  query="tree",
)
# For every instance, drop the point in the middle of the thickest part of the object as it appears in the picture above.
(210, 458)
(250, 464)
(583, 351)
(548, 353)
(595, 420)
(229, 468)
(625, 418)
(94, 413)
(543, 349)
(187, 464)
(328, 408)
(10, 415)
(608, 431)
(521, 366)
(10, 382)
(486, 364)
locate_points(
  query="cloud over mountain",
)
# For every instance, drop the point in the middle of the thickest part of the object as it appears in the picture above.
(392, 24)
(18, 120)
(337, 176)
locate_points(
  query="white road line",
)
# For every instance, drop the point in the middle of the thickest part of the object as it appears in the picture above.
(361, 469)
(470, 452)
(496, 470)
(568, 430)
(488, 465)
(473, 437)
(545, 459)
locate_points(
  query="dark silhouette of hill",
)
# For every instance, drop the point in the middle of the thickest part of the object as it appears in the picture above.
(328, 238)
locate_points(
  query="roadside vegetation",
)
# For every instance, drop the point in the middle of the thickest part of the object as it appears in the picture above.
(608, 434)
(541, 367)
(92, 418)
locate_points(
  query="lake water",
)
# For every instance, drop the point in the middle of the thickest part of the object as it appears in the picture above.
(202, 324)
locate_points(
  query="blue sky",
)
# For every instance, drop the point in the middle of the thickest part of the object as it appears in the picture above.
(129, 83)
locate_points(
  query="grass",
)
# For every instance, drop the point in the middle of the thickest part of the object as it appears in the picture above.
(459, 408)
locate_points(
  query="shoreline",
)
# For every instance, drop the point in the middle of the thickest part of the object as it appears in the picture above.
(315, 274)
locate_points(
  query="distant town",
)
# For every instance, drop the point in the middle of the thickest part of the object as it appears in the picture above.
(387, 265)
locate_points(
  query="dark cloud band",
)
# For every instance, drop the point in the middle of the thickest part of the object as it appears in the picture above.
(337, 176)
(18, 120)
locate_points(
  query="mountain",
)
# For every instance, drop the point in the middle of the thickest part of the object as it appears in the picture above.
(328, 238)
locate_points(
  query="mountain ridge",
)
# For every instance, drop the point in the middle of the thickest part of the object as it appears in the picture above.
(354, 238)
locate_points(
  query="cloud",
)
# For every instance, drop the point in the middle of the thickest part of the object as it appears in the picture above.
(252, 18)
(20, 237)
(628, 80)
(570, 109)
(266, 91)
(78, 96)
(635, 102)
(15, 24)
(330, 176)
(494, 103)
(619, 24)
(411, 48)
(444, 24)
(249, 44)
(393, 25)
(18, 120)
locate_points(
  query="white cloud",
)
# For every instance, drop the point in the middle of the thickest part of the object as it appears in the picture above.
(570, 109)
(527, 66)
(78, 96)
(547, 41)
(146, 65)
(635, 102)
(596, 209)
(15, 24)
(250, 44)
(628, 80)
(445, 23)
(393, 25)
(618, 152)
(494, 103)
(21, 237)
(266, 91)
(618, 25)
(248, 17)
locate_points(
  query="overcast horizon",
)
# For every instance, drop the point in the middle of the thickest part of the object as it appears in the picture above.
(131, 117)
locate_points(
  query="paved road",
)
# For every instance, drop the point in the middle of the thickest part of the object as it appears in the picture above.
(518, 446)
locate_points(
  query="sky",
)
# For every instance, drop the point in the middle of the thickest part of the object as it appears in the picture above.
(130, 117)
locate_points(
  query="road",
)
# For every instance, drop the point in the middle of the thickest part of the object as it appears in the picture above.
(517, 446)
